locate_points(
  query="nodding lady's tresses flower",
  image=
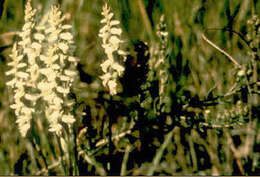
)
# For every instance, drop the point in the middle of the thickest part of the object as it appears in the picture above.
(18, 70)
(59, 70)
(110, 35)
(162, 62)
(43, 70)
(158, 62)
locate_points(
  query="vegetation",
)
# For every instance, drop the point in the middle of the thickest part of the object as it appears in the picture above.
(158, 88)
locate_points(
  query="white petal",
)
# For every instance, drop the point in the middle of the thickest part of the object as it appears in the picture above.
(114, 22)
(21, 65)
(26, 110)
(24, 129)
(55, 57)
(66, 27)
(104, 20)
(55, 66)
(43, 57)
(22, 75)
(31, 97)
(49, 30)
(46, 71)
(119, 68)
(63, 90)
(64, 47)
(54, 115)
(69, 119)
(36, 45)
(56, 128)
(70, 73)
(12, 71)
(104, 29)
(53, 37)
(58, 100)
(14, 106)
(116, 31)
(27, 25)
(11, 83)
(112, 87)
(114, 40)
(39, 36)
(110, 15)
(66, 36)
(105, 78)
(72, 59)
(106, 64)
(121, 52)
(64, 78)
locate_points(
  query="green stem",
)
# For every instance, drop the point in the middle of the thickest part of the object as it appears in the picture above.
(159, 153)
(110, 145)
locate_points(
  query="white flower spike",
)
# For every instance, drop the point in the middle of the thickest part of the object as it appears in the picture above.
(42, 61)
(110, 35)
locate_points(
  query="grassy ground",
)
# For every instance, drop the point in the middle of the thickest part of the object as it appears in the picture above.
(208, 129)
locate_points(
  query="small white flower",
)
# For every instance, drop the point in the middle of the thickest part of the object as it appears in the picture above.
(65, 27)
(23, 119)
(114, 22)
(69, 73)
(64, 78)
(24, 129)
(119, 68)
(14, 106)
(106, 64)
(46, 71)
(56, 128)
(31, 97)
(21, 65)
(63, 90)
(115, 41)
(66, 36)
(121, 52)
(116, 31)
(64, 47)
(54, 115)
(43, 58)
(69, 119)
(12, 71)
(52, 38)
(11, 83)
(22, 75)
(26, 110)
(112, 86)
(49, 96)
(39, 36)
(57, 100)
(109, 16)
(105, 78)
(72, 59)
(50, 30)
(55, 66)
(36, 45)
